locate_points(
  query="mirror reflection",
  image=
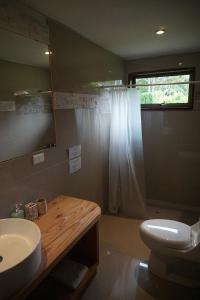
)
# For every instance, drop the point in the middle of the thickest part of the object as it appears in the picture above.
(26, 112)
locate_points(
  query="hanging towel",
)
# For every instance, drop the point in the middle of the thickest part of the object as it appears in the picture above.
(69, 273)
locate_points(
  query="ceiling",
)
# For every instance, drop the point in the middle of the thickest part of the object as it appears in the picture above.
(127, 27)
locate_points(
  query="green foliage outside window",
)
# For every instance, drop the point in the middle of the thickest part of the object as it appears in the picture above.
(164, 94)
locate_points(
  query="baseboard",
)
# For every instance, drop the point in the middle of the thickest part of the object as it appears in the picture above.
(176, 206)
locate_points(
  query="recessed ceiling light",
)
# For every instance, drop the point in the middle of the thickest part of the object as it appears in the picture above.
(47, 52)
(160, 31)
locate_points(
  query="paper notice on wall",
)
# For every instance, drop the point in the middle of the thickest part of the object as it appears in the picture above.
(7, 106)
(74, 151)
(74, 165)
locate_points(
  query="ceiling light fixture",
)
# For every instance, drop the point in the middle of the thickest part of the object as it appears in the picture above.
(160, 31)
(47, 52)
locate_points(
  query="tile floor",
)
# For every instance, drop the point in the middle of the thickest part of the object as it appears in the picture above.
(123, 272)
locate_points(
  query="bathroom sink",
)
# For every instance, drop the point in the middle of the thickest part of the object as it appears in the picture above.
(20, 254)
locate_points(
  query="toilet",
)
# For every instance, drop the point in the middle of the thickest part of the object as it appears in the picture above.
(175, 250)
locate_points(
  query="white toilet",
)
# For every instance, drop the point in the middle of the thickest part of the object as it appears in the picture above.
(175, 250)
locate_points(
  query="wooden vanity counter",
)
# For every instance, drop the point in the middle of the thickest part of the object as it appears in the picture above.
(70, 226)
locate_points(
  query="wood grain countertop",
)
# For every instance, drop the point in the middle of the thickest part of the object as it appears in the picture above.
(66, 221)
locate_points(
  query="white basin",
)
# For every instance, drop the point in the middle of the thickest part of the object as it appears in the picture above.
(20, 254)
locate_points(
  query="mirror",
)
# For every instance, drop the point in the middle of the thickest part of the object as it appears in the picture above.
(26, 111)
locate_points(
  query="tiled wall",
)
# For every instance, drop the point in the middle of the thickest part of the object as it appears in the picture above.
(75, 61)
(172, 141)
(171, 138)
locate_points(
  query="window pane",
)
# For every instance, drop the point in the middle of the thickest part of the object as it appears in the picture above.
(164, 94)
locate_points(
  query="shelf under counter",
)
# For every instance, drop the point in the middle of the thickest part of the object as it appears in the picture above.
(70, 228)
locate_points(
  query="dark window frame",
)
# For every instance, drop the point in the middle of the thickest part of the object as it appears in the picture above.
(162, 73)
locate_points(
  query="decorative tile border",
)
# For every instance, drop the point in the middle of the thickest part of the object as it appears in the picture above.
(74, 100)
(22, 20)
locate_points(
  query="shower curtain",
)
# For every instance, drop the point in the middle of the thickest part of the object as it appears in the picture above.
(113, 128)
(126, 165)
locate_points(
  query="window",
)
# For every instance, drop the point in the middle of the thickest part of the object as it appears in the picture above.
(166, 96)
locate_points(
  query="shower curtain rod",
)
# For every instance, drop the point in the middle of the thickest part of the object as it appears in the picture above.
(128, 85)
(150, 84)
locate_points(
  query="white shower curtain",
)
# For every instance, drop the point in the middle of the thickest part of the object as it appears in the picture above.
(126, 165)
(114, 128)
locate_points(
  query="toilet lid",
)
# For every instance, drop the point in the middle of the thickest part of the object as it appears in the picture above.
(172, 234)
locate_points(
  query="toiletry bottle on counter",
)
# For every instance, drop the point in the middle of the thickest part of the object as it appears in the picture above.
(42, 206)
(31, 211)
(18, 213)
